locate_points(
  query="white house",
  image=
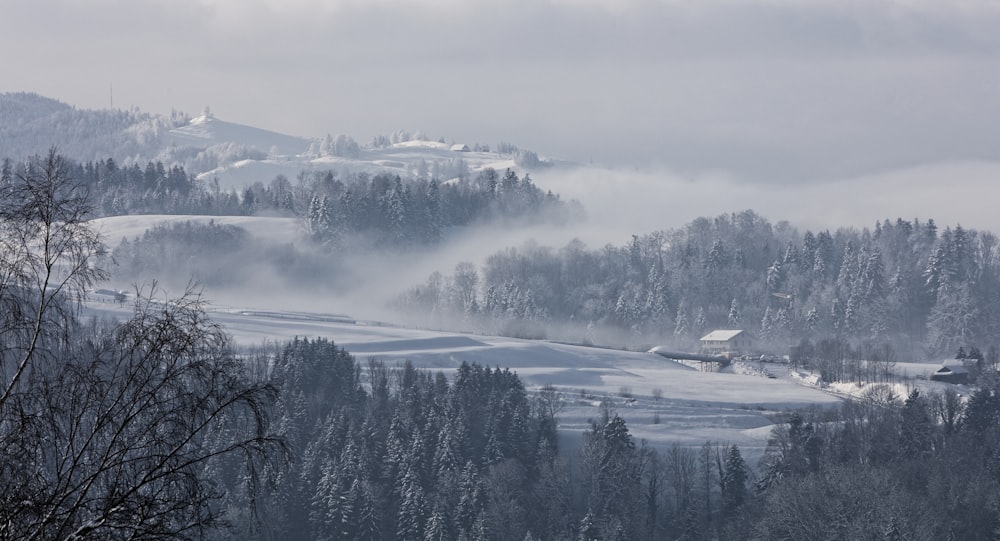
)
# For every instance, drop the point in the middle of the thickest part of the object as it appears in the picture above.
(726, 342)
(459, 147)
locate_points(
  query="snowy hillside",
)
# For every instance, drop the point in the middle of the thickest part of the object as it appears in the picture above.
(235, 154)
(206, 131)
(410, 158)
(276, 229)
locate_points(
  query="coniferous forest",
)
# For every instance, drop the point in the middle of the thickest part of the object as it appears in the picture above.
(902, 283)
(160, 427)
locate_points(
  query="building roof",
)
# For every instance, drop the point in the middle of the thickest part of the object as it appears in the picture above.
(951, 369)
(721, 335)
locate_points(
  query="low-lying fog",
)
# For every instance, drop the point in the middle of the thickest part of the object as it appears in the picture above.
(618, 203)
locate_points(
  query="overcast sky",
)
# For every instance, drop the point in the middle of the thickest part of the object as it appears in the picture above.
(783, 90)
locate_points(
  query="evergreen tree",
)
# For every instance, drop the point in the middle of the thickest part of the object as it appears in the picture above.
(734, 481)
(412, 509)
(681, 324)
(916, 429)
(767, 326)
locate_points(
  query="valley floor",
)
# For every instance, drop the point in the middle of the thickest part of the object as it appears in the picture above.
(662, 401)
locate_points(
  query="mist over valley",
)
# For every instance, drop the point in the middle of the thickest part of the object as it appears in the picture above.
(416, 337)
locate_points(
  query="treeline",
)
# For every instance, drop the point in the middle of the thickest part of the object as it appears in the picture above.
(903, 283)
(399, 453)
(31, 124)
(925, 468)
(357, 210)
(407, 455)
(385, 210)
(210, 253)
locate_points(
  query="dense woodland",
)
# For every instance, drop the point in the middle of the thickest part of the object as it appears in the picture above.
(30, 124)
(360, 209)
(397, 453)
(159, 427)
(903, 283)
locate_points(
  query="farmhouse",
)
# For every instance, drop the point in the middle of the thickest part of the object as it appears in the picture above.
(459, 147)
(951, 374)
(726, 342)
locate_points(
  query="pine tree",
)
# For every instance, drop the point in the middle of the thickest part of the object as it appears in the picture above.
(369, 528)
(470, 498)
(916, 430)
(701, 322)
(412, 508)
(776, 276)
(718, 258)
(681, 325)
(734, 481)
(437, 527)
(812, 319)
(953, 318)
(734, 314)
(622, 311)
(397, 213)
(767, 326)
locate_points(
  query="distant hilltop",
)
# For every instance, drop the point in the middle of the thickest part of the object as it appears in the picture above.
(233, 154)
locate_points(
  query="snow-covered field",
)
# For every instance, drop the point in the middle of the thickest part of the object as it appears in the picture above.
(115, 228)
(693, 406)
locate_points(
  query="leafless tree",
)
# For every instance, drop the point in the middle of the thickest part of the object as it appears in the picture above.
(111, 431)
(47, 250)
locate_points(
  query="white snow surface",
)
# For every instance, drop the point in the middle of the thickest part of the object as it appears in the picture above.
(695, 406)
(115, 228)
(289, 156)
(397, 160)
(205, 131)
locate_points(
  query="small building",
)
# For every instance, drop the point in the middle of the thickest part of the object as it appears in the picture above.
(730, 343)
(951, 373)
(459, 147)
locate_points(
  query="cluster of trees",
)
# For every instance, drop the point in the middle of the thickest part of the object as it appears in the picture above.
(400, 453)
(360, 210)
(153, 189)
(409, 455)
(209, 253)
(385, 210)
(404, 454)
(923, 468)
(903, 283)
(341, 146)
(30, 124)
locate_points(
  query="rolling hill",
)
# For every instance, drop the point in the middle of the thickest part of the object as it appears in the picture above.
(234, 154)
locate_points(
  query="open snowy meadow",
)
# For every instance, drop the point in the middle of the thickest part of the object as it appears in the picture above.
(663, 402)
